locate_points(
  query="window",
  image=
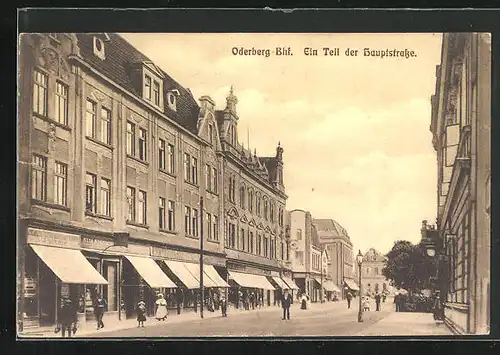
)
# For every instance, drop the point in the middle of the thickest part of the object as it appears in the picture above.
(209, 225)
(242, 239)
(187, 167)
(161, 154)
(271, 248)
(142, 144)
(287, 251)
(60, 183)
(232, 235)
(187, 220)
(90, 192)
(147, 87)
(194, 223)
(194, 170)
(131, 204)
(142, 207)
(215, 227)
(171, 216)
(251, 243)
(266, 247)
(61, 115)
(250, 200)
(161, 213)
(40, 93)
(242, 196)
(266, 214)
(171, 159)
(208, 177)
(282, 251)
(258, 204)
(39, 178)
(299, 234)
(232, 188)
(105, 197)
(211, 133)
(90, 119)
(272, 212)
(130, 138)
(215, 187)
(156, 93)
(105, 126)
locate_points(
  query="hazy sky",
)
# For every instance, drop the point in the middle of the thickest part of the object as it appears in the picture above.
(355, 130)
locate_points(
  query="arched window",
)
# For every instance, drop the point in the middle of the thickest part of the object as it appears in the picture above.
(242, 196)
(232, 188)
(250, 200)
(271, 213)
(266, 209)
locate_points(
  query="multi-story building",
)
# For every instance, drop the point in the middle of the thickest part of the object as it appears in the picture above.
(309, 259)
(372, 280)
(115, 160)
(461, 126)
(254, 200)
(336, 240)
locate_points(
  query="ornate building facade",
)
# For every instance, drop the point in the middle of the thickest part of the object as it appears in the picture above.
(115, 157)
(461, 126)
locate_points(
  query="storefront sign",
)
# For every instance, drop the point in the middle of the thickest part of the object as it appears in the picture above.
(56, 239)
(138, 249)
(95, 243)
(170, 254)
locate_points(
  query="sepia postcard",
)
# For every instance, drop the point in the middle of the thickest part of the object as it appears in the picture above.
(253, 185)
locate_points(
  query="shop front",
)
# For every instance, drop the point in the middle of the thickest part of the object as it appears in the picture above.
(351, 286)
(55, 270)
(184, 270)
(332, 291)
(246, 288)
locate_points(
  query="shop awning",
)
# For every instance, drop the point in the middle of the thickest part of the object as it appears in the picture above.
(183, 274)
(150, 272)
(351, 284)
(69, 265)
(194, 269)
(329, 286)
(214, 275)
(291, 284)
(251, 281)
(280, 282)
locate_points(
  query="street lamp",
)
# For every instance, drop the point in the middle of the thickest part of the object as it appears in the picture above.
(359, 260)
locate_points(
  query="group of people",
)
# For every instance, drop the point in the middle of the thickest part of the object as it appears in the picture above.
(68, 318)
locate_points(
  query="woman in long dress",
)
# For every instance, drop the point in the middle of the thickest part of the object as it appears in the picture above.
(161, 308)
(303, 301)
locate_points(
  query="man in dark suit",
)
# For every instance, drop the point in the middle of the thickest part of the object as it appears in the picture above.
(285, 303)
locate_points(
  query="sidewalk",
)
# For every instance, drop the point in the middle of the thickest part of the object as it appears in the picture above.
(89, 328)
(406, 324)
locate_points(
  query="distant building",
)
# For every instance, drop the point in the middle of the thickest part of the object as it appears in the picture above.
(372, 280)
(309, 260)
(461, 136)
(339, 247)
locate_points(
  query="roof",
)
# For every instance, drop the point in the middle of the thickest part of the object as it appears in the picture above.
(120, 61)
(329, 228)
(373, 255)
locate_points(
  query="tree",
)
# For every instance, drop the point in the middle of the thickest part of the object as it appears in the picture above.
(408, 266)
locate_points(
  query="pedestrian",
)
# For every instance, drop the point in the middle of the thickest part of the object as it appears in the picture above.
(178, 300)
(349, 298)
(397, 302)
(366, 304)
(223, 305)
(161, 308)
(285, 304)
(99, 309)
(141, 313)
(377, 301)
(303, 302)
(252, 300)
(216, 300)
(384, 295)
(67, 318)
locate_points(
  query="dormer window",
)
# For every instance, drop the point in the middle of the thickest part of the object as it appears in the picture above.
(172, 99)
(152, 85)
(99, 48)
